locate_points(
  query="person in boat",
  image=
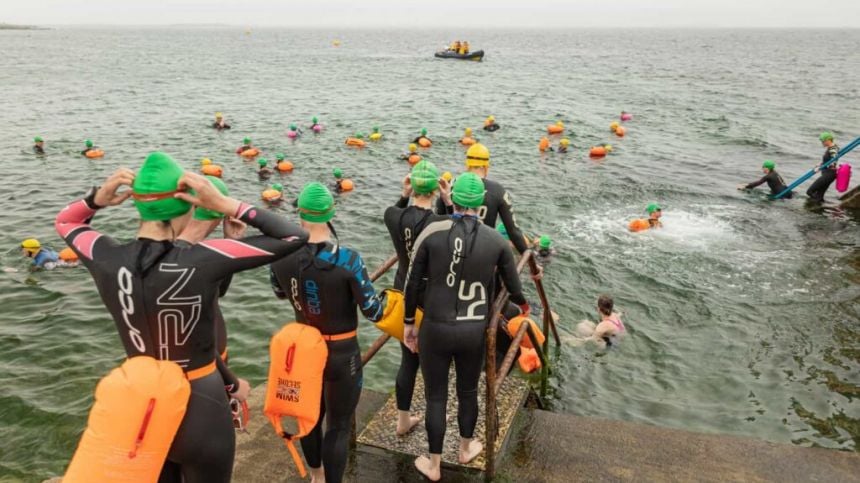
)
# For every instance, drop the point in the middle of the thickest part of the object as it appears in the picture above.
(459, 258)
(38, 145)
(828, 175)
(455, 47)
(771, 177)
(490, 124)
(464, 49)
(220, 123)
(327, 283)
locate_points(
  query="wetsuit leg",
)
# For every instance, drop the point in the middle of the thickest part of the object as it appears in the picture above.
(205, 444)
(821, 185)
(468, 363)
(405, 384)
(312, 443)
(436, 355)
(341, 390)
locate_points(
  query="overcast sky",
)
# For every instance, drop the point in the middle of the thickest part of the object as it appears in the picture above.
(438, 13)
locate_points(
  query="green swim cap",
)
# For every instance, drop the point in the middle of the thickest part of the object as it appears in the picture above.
(825, 136)
(314, 120)
(423, 131)
(154, 187)
(468, 190)
(653, 207)
(502, 230)
(424, 177)
(544, 242)
(293, 127)
(375, 128)
(262, 162)
(338, 173)
(37, 139)
(769, 165)
(90, 143)
(278, 187)
(279, 156)
(359, 135)
(316, 204)
(246, 141)
(204, 214)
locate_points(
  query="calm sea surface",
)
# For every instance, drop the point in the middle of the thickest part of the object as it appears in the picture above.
(742, 313)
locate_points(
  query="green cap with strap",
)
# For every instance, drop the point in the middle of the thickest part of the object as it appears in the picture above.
(652, 208)
(468, 190)
(316, 204)
(204, 214)
(154, 186)
(769, 165)
(424, 178)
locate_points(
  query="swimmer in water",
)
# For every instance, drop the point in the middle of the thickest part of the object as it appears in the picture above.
(246, 145)
(89, 147)
(563, 145)
(38, 145)
(422, 136)
(294, 128)
(544, 247)
(828, 175)
(610, 329)
(43, 258)
(771, 177)
(220, 123)
(315, 125)
(264, 172)
(490, 124)
(408, 156)
(654, 215)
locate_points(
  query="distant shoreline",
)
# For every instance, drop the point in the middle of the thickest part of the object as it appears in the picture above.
(8, 26)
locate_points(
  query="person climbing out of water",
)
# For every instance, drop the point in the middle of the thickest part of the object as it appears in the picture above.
(422, 140)
(405, 225)
(152, 274)
(200, 227)
(43, 257)
(264, 172)
(89, 147)
(490, 124)
(38, 145)
(220, 123)
(459, 258)
(325, 283)
(412, 155)
(246, 145)
(771, 177)
(563, 145)
(828, 175)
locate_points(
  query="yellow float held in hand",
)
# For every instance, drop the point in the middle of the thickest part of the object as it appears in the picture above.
(395, 310)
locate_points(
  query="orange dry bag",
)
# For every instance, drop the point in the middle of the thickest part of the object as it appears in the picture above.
(68, 255)
(94, 153)
(529, 360)
(414, 159)
(640, 224)
(298, 355)
(137, 410)
(424, 143)
(250, 153)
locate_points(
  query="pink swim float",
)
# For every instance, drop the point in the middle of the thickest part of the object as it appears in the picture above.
(316, 128)
(292, 134)
(626, 116)
(843, 177)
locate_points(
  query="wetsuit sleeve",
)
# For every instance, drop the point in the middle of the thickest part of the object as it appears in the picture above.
(403, 202)
(369, 302)
(231, 382)
(224, 257)
(510, 277)
(506, 212)
(442, 208)
(276, 286)
(225, 285)
(73, 226)
(417, 272)
(758, 183)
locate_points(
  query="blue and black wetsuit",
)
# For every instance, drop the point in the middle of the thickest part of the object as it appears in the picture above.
(326, 284)
(459, 258)
(162, 297)
(828, 175)
(405, 225)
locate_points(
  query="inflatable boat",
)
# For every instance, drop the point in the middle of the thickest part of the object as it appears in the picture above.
(447, 54)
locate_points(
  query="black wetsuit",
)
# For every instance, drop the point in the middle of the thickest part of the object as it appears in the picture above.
(774, 182)
(265, 173)
(85, 151)
(325, 284)
(562, 149)
(828, 176)
(39, 149)
(492, 127)
(244, 148)
(219, 126)
(459, 258)
(161, 296)
(405, 225)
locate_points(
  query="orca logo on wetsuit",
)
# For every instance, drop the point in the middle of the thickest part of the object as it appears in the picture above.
(312, 294)
(175, 318)
(476, 291)
(127, 303)
(294, 288)
(451, 279)
(407, 241)
(482, 212)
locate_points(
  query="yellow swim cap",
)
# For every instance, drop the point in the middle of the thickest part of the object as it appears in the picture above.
(217, 115)
(477, 156)
(413, 147)
(559, 124)
(564, 142)
(491, 118)
(31, 245)
(205, 161)
(468, 131)
(447, 176)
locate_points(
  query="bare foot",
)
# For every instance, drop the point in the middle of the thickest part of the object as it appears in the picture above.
(470, 451)
(317, 475)
(423, 464)
(403, 431)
